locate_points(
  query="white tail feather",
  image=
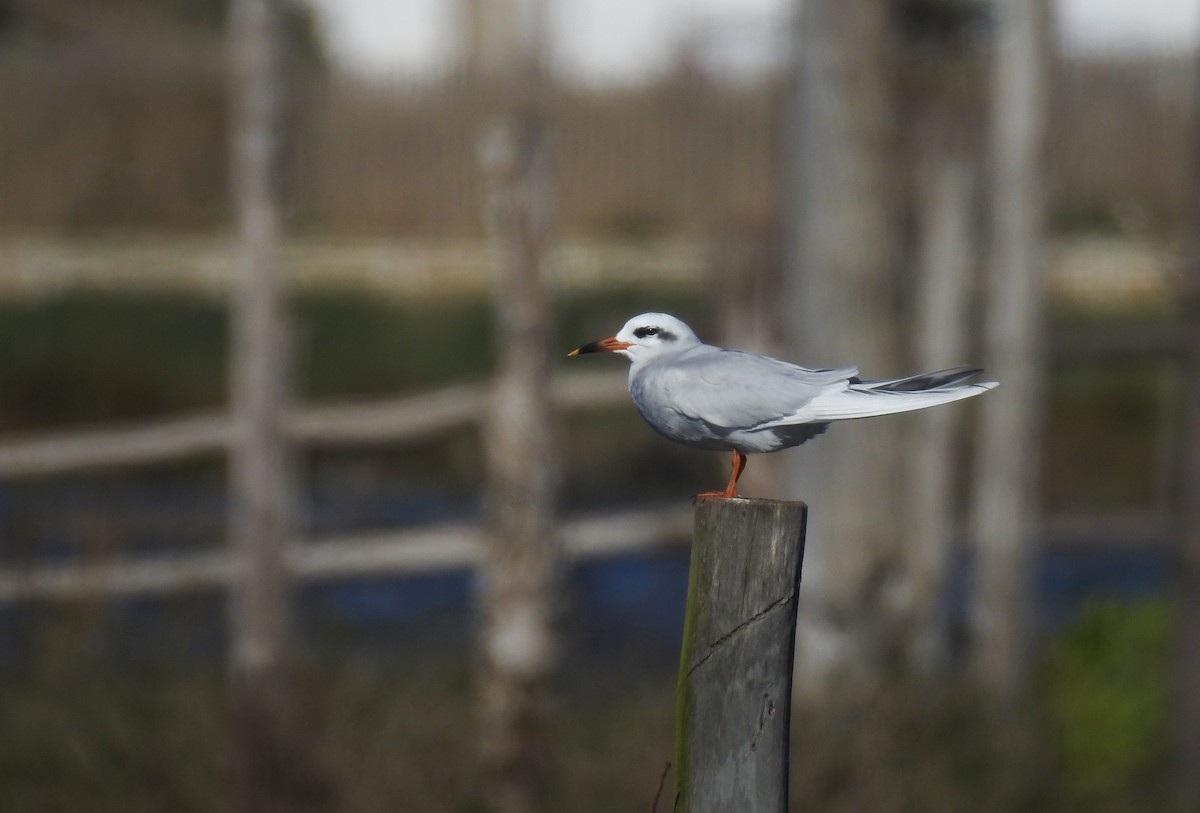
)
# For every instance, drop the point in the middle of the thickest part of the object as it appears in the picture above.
(864, 403)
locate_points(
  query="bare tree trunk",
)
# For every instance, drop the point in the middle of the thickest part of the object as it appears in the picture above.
(260, 479)
(945, 266)
(1187, 571)
(492, 34)
(841, 250)
(1005, 508)
(520, 578)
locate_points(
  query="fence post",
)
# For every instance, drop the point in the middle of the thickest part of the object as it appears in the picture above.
(271, 763)
(735, 672)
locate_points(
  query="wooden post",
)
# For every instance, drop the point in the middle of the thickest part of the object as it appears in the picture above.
(261, 491)
(735, 670)
(944, 272)
(1186, 711)
(839, 305)
(1004, 509)
(519, 581)
(259, 471)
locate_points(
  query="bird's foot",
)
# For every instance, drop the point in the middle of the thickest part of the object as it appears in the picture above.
(719, 495)
(730, 492)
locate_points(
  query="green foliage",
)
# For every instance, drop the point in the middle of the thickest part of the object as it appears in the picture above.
(353, 344)
(1094, 216)
(84, 357)
(941, 21)
(383, 734)
(87, 357)
(1107, 694)
(934, 747)
(397, 731)
(90, 357)
(1104, 428)
(98, 740)
(633, 225)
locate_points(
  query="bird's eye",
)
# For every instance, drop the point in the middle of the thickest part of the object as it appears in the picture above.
(643, 332)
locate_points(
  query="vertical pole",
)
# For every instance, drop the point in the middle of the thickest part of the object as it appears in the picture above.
(1187, 552)
(1006, 460)
(735, 672)
(842, 243)
(520, 576)
(944, 276)
(261, 495)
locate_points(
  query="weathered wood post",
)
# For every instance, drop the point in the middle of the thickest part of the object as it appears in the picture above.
(735, 671)
(1187, 550)
(520, 578)
(262, 494)
(843, 243)
(1004, 501)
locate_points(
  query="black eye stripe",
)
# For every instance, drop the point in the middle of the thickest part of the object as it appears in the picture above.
(650, 330)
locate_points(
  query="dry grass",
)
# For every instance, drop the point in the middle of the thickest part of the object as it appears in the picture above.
(103, 142)
(393, 732)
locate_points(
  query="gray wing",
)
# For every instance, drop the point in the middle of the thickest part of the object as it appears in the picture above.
(729, 389)
(923, 381)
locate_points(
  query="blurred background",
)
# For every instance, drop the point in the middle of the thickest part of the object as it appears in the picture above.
(302, 506)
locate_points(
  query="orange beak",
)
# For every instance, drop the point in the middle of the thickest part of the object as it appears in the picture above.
(602, 346)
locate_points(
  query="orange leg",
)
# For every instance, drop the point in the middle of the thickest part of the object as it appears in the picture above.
(730, 492)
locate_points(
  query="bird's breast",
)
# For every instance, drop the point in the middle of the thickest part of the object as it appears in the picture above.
(653, 398)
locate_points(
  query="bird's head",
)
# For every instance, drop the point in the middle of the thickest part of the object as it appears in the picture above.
(645, 337)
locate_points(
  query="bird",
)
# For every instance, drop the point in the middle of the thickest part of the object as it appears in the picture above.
(712, 398)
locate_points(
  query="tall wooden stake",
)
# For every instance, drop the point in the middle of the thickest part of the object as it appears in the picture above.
(520, 576)
(839, 306)
(735, 671)
(944, 276)
(1004, 505)
(1187, 570)
(261, 494)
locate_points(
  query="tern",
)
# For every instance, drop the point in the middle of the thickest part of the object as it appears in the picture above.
(708, 397)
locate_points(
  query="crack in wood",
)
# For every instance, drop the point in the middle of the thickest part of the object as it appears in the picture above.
(758, 616)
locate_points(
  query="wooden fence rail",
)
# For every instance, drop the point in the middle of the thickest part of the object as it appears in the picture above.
(395, 419)
(403, 552)
(407, 551)
(398, 552)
